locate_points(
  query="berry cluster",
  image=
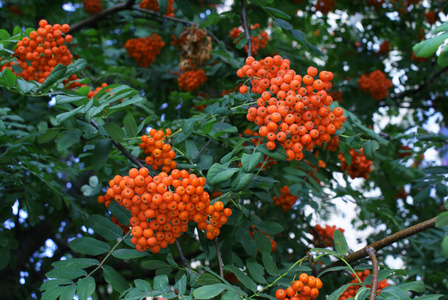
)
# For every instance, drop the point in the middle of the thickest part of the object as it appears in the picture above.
(376, 3)
(218, 217)
(384, 48)
(295, 117)
(273, 243)
(94, 92)
(154, 5)
(361, 166)
(353, 289)
(258, 42)
(8, 65)
(144, 50)
(286, 200)
(306, 288)
(333, 144)
(323, 236)
(159, 152)
(431, 17)
(191, 80)
(161, 206)
(375, 83)
(39, 53)
(325, 6)
(92, 6)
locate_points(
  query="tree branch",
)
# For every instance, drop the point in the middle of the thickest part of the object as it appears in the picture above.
(203, 148)
(120, 147)
(243, 19)
(372, 254)
(398, 236)
(101, 15)
(422, 86)
(218, 255)
(182, 257)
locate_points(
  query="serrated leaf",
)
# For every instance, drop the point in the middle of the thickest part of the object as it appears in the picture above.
(85, 287)
(122, 214)
(104, 227)
(154, 264)
(255, 270)
(53, 283)
(128, 253)
(114, 131)
(130, 125)
(81, 263)
(52, 293)
(369, 149)
(218, 174)
(90, 246)
(340, 244)
(57, 73)
(209, 291)
(64, 116)
(269, 227)
(250, 161)
(242, 277)
(428, 47)
(69, 138)
(243, 237)
(115, 279)
(66, 273)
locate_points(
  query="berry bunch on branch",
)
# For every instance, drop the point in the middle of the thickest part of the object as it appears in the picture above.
(144, 50)
(286, 200)
(353, 289)
(306, 288)
(323, 236)
(360, 167)
(92, 6)
(290, 115)
(376, 84)
(160, 154)
(154, 5)
(258, 42)
(39, 53)
(191, 80)
(325, 6)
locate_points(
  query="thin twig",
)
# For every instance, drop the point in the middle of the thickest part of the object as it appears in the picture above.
(203, 148)
(372, 254)
(218, 254)
(422, 86)
(311, 262)
(246, 27)
(182, 257)
(101, 15)
(398, 236)
(120, 147)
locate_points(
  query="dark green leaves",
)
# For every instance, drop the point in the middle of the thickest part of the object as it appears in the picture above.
(276, 12)
(279, 153)
(85, 287)
(104, 227)
(209, 291)
(115, 279)
(68, 139)
(340, 244)
(66, 273)
(242, 277)
(283, 24)
(250, 161)
(128, 253)
(369, 148)
(90, 246)
(130, 125)
(218, 174)
(442, 219)
(428, 47)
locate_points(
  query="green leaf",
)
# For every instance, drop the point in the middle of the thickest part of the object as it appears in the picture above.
(429, 297)
(66, 273)
(181, 285)
(207, 279)
(299, 35)
(416, 286)
(283, 24)
(154, 264)
(69, 138)
(54, 283)
(443, 56)
(49, 135)
(241, 43)
(88, 245)
(142, 285)
(395, 291)
(369, 148)
(10, 78)
(262, 241)
(243, 237)
(52, 293)
(250, 161)
(67, 292)
(161, 283)
(101, 153)
(428, 47)
(279, 153)
(130, 125)
(4, 35)
(209, 291)
(163, 6)
(82, 263)
(218, 174)
(114, 131)
(445, 246)
(230, 295)
(64, 116)
(269, 227)
(277, 13)
(212, 19)
(185, 7)
(242, 277)
(340, 244)
(85, 287)
(337, 293)
(57, 73)
(255, 270)
(115, 279)
(191, 149)
(5, 255)
(241, 181)
(442, 219)
(104, 227)
(122, 214)
(2, 128)
(128, 253)
(24, 86)
(423, 194)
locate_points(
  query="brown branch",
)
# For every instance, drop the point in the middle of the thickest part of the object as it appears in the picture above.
(243, 19)
(182, 257)
(219, 256)
(372, 254)
(90, 21)
(120, 147)
(203, 148)
(422, 86)
(398, 236)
